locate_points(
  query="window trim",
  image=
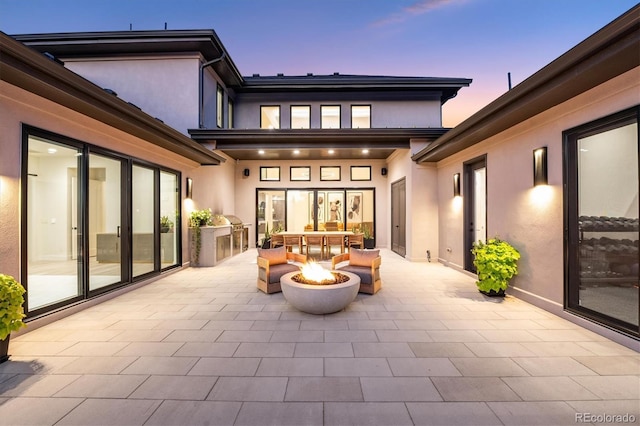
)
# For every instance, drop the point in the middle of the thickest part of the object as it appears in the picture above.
(219, 106)
(279, 116)
(370, 113)
(291, 107)
(339, 116)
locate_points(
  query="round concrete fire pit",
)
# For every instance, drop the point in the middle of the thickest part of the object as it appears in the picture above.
(320, 299)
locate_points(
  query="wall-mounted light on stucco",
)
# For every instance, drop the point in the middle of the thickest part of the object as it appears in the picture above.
(189, 188)
(456, 185)
(540, 166)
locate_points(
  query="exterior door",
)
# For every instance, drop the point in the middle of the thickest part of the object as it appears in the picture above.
(475, 207)
(399, 217)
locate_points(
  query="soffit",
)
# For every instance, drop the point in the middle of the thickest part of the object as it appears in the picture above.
(313, 144)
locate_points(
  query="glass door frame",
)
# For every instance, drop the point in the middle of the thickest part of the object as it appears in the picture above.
(571, 216)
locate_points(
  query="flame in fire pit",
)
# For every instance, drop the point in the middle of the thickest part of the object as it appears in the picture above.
(313, 272)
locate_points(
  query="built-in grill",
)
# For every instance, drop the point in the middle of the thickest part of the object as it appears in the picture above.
(239, 232)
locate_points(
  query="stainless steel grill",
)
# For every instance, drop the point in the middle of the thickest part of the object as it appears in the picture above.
(238, 230)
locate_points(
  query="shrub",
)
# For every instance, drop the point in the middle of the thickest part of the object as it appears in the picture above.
(496, 263)
(11, 300)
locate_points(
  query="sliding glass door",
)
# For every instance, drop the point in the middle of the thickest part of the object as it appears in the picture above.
(93, 220)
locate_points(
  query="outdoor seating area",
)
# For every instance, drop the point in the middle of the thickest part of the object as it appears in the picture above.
(204, 346)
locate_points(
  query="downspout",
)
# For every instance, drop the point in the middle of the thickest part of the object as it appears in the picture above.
(201, 89)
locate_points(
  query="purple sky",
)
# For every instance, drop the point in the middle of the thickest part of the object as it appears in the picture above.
(478, 39)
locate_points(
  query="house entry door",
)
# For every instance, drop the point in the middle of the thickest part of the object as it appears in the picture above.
(399, 217)
(475, 207)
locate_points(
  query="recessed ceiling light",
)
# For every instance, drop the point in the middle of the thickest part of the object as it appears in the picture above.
(296, 151)
(331, 151)
(365, 151)
(52, 150)
(261, 152)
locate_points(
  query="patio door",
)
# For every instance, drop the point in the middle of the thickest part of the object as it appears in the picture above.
(475, 207)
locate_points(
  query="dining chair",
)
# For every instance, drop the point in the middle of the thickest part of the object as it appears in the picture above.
(333, 240)
(313, 241)
(355, 240)
(293, 240)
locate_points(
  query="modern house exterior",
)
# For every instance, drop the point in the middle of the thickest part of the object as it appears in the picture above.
(88, 170)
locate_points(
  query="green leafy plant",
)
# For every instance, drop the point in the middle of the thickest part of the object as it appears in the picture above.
(366, 232)
(166, 224)
(496, 262)
(198, 218)
(11, 301)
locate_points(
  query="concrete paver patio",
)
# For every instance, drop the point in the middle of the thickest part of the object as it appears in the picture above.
(204, 346)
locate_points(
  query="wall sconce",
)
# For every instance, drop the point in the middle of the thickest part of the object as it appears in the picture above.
(189, 188)
(456, 185)
(540, 166)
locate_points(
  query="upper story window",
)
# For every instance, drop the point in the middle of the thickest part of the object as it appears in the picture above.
(301, 117)
(330, 116)
(219, 106)
(230, 114)
(270, 117)
(360, 116)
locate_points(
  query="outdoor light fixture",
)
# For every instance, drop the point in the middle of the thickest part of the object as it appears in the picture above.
(540, 166)
(189, 188)
(456, 185)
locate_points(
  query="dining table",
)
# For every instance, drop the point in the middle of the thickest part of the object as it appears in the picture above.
(300, 236)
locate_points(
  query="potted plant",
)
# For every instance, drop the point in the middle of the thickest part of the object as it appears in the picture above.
(11, 311)
(369, 242)
(166, 224)
(197, 219)
(496, 263)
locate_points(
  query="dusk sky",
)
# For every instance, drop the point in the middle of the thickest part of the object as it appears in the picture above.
(478, 39)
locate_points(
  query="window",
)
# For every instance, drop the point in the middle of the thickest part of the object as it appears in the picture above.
(301, 117)
(300, 173)
(360, 172)
(329, 172)
(360, 116)
(230, 114)
(219, 106)
(270, 173)
(601, 208)
(330, 116)
(270, 117)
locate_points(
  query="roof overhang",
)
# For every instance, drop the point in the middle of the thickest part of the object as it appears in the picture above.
(280, 144)
(608, 53)
(35, 73)
(133, 43)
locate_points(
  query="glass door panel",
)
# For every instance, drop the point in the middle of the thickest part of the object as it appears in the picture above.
(271, 212)
(169, 207)
(299, 208)
(608, 223)
(105, 221)
(143, 220)
(54, 237)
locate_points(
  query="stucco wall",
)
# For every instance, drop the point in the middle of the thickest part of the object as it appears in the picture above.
(18, 106)
(530, 218)
(166, 88)
(391, 114)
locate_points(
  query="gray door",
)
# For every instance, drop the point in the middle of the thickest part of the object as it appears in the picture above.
(399, 217)
(475, 207)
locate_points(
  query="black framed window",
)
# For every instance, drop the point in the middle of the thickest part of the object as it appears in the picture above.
(601, 217)
(330, 173)
(270, 173)
(360, 116)
(360, 173)
(300, 116)
(300, 173)
(230, 113)
(330, 116)
(270, 117)
(219, 106)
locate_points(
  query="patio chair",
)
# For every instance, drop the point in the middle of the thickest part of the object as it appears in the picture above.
(333, 240)
(312, 241)
(291, 241)
(277, 240)
(273, 264)
(356, 240)
(363, 263)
